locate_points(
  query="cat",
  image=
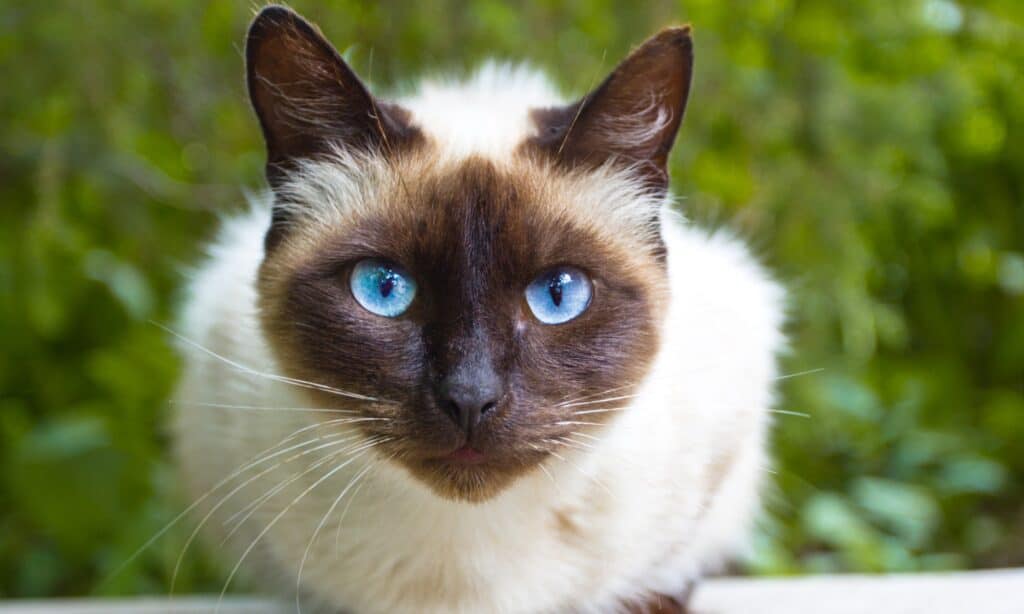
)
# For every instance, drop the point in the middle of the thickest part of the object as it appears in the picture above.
(463, 356)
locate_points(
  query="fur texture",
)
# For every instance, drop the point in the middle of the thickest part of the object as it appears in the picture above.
(647, 492)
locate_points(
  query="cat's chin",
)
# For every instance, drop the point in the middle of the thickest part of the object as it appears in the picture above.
(474, 481)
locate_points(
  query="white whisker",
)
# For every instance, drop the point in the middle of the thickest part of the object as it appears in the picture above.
(596, 401)
(272, 376)
(600, 411)
(556, 454)
(252, 506)
(278, 517)
(227, 497)
(799, 373)
(195, 532)
(579, 443)
(344, 512)
(786, 412)
(263, 407)
(550, 477)
(578, 468)
(571, 445)
(316, 532)
(583, 400)
(577, 422)
(595, 394)
(317, 425)
(253, 462)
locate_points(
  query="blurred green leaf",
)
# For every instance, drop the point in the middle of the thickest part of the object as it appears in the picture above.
(908, 510)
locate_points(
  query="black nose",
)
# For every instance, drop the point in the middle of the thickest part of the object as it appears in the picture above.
(469, 395)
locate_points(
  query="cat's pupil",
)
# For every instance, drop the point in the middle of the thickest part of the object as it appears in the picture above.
(555, 288)
(387, 283)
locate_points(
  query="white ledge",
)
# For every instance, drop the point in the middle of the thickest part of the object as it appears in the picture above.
(144, 605)
(977, 592)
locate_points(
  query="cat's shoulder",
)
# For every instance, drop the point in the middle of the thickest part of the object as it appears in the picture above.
(716, 272)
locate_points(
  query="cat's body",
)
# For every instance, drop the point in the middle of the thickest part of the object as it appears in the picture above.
(651, 482)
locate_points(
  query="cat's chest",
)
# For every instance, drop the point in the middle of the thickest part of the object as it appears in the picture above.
(401, 553)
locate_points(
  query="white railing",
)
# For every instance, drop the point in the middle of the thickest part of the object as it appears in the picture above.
(975, 592)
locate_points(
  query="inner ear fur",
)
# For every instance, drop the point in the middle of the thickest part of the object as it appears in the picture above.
(632, 117)
(306, 97)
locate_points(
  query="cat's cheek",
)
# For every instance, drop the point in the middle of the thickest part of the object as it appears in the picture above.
(319, 333)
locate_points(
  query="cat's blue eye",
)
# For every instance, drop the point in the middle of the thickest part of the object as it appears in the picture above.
(382, 287)
(559, 295)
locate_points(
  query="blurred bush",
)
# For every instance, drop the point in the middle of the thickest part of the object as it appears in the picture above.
(872, 150)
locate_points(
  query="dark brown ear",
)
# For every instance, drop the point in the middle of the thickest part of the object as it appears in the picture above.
(307, 99)
(632, 117)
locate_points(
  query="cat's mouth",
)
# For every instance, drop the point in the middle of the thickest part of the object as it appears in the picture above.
(466, 455)
(470, 471)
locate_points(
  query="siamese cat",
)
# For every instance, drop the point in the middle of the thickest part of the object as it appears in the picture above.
(463, 357)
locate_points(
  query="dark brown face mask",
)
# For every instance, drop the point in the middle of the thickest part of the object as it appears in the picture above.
(475, 381)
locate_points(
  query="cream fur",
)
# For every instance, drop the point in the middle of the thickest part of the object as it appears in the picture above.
(488, 114)
(667, 494)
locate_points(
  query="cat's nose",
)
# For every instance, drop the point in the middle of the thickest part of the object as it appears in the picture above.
(470, 395)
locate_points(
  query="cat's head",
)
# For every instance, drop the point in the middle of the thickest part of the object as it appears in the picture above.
(477, 311)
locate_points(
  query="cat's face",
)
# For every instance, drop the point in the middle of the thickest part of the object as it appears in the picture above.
(474, 312)
(448, 302)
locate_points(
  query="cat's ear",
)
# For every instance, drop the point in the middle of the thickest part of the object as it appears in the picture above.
(632, 117)
(306, 97)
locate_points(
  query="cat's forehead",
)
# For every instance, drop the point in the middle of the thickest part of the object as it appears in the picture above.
(488, 115)
(433, 204)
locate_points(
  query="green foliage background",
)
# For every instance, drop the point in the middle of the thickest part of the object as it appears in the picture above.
(873, 150)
